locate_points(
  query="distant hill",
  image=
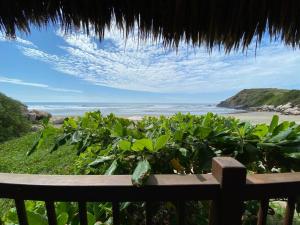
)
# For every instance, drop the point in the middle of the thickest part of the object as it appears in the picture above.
(263, 96)
(13, 121)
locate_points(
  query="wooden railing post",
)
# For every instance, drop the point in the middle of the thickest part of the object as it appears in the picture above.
(232, 177)
(289, 211)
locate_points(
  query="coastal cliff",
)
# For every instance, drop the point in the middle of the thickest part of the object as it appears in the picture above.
(265, 99)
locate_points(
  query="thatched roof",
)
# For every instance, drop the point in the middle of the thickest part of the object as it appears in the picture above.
(229, 23)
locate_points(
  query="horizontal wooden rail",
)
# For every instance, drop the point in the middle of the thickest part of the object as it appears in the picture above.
(107, 188)
(38, 187)
(227, 185)
(275, 185)
(92, 187)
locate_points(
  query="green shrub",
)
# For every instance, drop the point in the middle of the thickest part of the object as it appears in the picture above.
(181, 144)
(13, 122)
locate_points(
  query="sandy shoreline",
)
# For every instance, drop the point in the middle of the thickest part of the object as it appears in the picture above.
(263, 117)
(253, 117)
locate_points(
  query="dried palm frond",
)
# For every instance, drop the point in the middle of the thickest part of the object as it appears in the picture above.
(232, 24)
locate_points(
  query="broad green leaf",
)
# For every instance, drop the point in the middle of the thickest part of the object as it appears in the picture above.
(35, 145)
(117, 130)
(160, 142)
(96, 209)
(274, 123)
(91, 218)
(207, 119)
(101, 159)
(62, 218)
(141, 173)
(41, 139)
(112, 168)
(261, 131)
(76, 137)
(124, 145)
(45, 135)
(178, 135)
(83, 145)
(89, 122)
(60, 141)
(61, 207)
(141, 144)
(241, 131)
(70, 122)
(203, 132)
(281, 127)
(36, 219)
(281, 135)
(30, 205)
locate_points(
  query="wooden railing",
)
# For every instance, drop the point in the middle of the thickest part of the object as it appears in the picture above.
(227, 187)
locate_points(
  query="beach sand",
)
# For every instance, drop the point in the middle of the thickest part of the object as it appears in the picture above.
(263, 117)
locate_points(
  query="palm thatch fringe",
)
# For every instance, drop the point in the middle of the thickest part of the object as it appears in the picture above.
(232, 24)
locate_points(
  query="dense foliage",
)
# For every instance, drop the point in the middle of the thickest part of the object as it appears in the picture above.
(262, 96)
(182, 144)
(13, 122)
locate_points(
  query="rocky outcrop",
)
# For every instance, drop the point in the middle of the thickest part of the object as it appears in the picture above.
(36, 115)
(57, 120)
(287, 109)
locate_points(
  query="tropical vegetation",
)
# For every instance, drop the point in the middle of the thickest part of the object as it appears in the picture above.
(181, 144)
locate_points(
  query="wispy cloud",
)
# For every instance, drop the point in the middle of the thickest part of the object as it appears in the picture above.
(17, 40)
(37, 85)
(124, 64)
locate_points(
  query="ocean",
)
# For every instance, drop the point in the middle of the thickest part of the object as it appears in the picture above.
(127, 109)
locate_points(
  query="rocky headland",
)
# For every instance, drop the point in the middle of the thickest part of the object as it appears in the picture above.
(286, 102)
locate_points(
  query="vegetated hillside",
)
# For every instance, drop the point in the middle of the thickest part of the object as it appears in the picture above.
(262, 96)
(13, 121)
(13, 159)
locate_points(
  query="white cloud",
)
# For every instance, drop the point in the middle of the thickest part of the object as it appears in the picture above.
(17, 40)
(37, 85)
(149, 67)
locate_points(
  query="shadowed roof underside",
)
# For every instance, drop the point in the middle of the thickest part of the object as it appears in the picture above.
(231, 24)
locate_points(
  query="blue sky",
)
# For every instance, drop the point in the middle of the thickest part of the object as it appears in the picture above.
(49, 66)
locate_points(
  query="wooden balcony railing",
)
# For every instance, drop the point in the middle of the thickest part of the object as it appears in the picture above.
(227, 187)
